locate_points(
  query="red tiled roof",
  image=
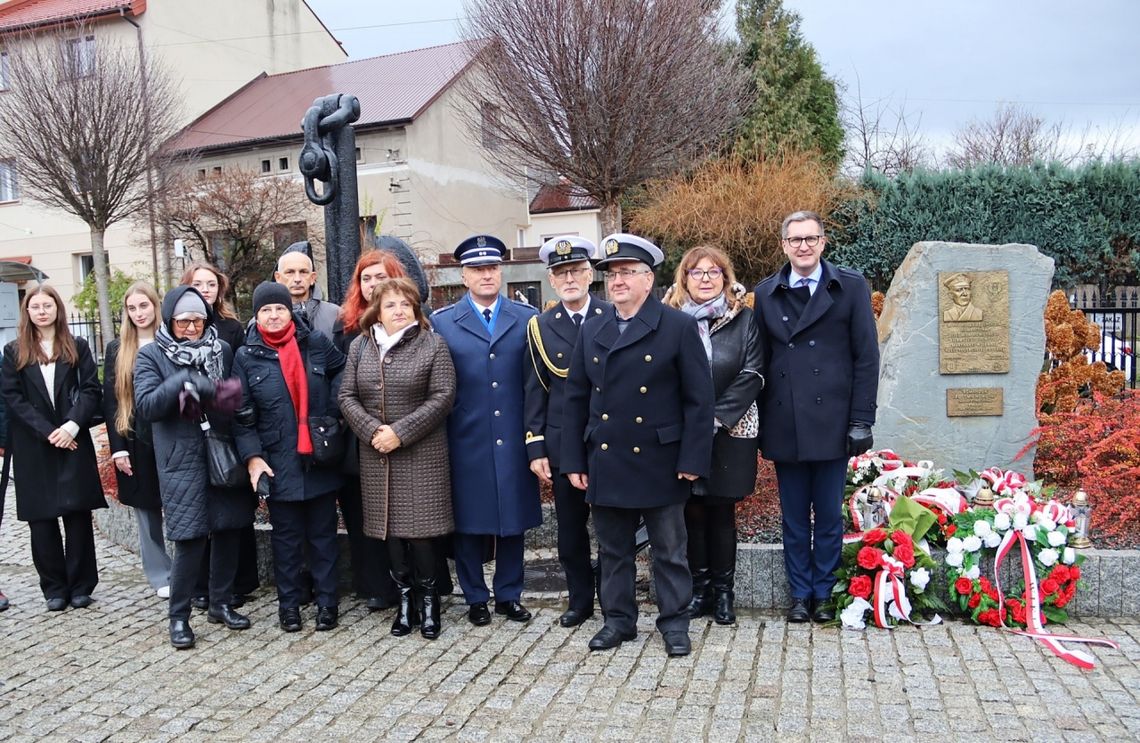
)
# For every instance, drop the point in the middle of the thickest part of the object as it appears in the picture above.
(561, 197)
(392, 88)
(17, 14)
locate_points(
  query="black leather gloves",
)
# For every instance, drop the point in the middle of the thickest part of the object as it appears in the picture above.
(859, 439)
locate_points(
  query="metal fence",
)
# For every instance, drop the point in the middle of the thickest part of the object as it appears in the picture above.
(87, 327)
(1119, 323)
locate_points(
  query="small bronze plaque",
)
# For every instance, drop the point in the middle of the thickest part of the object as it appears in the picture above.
(973, 322)
(965, 402)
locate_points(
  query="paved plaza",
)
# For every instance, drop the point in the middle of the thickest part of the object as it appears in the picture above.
(108, 673)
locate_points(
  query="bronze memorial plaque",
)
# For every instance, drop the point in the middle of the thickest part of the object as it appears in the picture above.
(973, 401)
(973, 322)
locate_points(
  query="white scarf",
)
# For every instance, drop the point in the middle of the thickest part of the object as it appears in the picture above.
(385, 341)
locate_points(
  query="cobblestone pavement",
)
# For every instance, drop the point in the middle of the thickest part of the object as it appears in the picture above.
(107, 673)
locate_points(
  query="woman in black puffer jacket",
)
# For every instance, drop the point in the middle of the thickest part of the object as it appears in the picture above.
(188, 360)
(290, 375)
(705, 287)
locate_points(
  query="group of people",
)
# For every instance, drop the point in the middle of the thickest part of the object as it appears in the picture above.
(633, 409)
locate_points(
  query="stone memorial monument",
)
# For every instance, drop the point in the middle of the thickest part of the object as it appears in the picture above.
(962, 338)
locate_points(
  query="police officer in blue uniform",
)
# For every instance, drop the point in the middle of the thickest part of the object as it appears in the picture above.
(821, 350)
(551, 337)
(638, 430)
(494, 493)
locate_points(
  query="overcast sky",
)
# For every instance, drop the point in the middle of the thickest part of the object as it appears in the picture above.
(948, 61)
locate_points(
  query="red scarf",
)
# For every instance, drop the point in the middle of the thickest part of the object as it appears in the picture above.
(293, 369)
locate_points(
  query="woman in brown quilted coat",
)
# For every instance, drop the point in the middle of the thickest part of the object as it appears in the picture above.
(397, 389)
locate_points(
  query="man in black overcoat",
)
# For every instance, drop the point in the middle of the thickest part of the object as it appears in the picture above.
(638, 430)
(550, 340)
(821, 351)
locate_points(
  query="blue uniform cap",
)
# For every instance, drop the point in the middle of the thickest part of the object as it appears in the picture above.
(622, 246)
(480, 250)
(566, 249)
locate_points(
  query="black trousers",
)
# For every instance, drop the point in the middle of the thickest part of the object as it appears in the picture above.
(66, 565)
(413, 560)
(574, 542)
(297, 526)
(711, 524)
(369, 557)
(222, 549)
(246, 579)
(617, 529)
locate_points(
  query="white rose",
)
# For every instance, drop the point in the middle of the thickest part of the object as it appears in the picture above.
(1048, 557)
(954, 559)
(982, 528)
(1020, 519)
(973, 573)
(954, 545)
(919, 577)
(1056, 539)
(992, 540)
(1029, 531)
(971, 543)
(852, 616)
(1001, 521)
(1069, 556)
(1047, 523)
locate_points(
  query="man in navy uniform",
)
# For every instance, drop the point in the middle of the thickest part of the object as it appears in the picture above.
(638, 430)
(494, 494)
(821, 350)
(551, 337)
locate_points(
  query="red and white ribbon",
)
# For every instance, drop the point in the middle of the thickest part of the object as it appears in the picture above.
(1035, 629)
(890, 586)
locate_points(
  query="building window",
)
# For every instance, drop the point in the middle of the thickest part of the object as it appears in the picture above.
(5, 78)
(86, 267)
(489, 132)
(216, 170)
(221, 248)
(9, 183)
(80, 53)
(359, 155)
(201, 174)
(282, 163)
(266, 166)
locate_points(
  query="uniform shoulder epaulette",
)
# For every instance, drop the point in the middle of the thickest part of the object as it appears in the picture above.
(445, 308)
(528, 305)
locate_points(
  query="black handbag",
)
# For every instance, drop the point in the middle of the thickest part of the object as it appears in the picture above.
(225, 466)
(329, 440)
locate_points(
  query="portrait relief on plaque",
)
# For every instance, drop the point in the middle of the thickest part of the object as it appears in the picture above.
(973, 332)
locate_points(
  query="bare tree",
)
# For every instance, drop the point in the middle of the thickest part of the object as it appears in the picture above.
(238, 220)
(82, 126)
(606, 93)
(1012, 136)
(881, 137)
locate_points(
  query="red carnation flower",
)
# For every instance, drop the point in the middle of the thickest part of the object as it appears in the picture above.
(993, 594)
(904, 553)
(898, 536)
(963, 585)
(874, 536)
(1061, 601)
(984, 582)
(1060, 574)
(974, 601)
(1050, 587)
(860, 586)
(990, 617)
(1018, 611)
(869, 558)
(941, 517)
(1075, 572)
(950, 530)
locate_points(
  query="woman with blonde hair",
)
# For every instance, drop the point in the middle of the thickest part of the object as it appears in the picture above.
(51, 389)
(129, 437)
(705, 288)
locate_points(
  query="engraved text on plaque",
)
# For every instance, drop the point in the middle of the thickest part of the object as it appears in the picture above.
(973, 401)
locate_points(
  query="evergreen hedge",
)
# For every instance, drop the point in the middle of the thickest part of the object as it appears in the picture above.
(1086, 218)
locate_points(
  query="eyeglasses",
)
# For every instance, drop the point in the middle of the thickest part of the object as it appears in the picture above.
(811, 240)
(624, 273)
(183, 324)
(562, 273)
(712, 273)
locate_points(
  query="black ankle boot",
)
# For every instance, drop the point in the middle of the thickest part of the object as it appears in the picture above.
(702, 603)
(430, 627)
(406, 617)
(723, 596)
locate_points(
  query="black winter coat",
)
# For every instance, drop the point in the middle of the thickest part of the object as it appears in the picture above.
(50, 481)
(231, 331)
(822, 365)
(139, 489)
(192, 507)
(273, 434)
(737, 369)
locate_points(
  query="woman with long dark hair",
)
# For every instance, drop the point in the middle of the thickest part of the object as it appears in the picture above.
(129, 437)
(705, 287)
(51, 390)
(182, 387)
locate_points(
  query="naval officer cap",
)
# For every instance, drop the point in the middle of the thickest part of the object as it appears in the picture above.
(621, 246)
(480, 250)
(566, 249)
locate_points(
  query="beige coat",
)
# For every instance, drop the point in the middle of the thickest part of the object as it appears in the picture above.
(406, 493)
